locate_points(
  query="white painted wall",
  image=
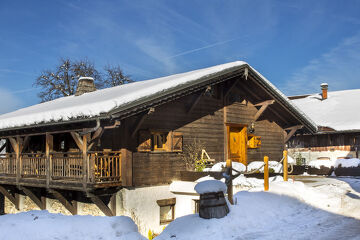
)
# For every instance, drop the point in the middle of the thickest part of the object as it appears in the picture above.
(314, 155)
(140, 204)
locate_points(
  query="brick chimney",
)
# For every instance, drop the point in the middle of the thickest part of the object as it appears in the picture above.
(85, 85)
(324, 88)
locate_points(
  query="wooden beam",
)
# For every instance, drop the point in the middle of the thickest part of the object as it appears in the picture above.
(77, 139)
(195, 102)
(2, 147)
(126, 168)
(14, 199)
(98, 133)
(85, 140)
(71, 206)
(101, 205)
(233, 85)
(40, 201)
(140, 121)
(48, 148)
(247, 90)
(24, 144)
(292, 132)
(263, 107)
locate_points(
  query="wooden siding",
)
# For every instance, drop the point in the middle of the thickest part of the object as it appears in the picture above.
(206, 124)
(326, 142)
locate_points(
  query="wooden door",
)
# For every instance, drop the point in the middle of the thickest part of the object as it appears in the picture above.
(237, 144)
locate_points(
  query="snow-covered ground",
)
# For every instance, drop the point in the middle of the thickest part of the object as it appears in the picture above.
(316, 209)
(42, 225)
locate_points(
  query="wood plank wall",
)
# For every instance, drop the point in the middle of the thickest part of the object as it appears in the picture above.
(204, 123)
(337, 141)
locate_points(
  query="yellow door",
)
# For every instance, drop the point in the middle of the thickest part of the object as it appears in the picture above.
(237, 143)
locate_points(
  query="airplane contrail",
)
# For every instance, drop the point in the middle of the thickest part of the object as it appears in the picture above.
(201, 48)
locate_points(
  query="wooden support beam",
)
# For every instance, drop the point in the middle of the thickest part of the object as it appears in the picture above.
(250, 92)
(126, 168)
(98, 133)
(233, 85)
(13, 198)
(16, 145)
(71, 206)
(39, 200)
(85, 140)
(77, 139)
(48, 148)
(2, 147)
(195, 102)
(101, 205)
(264, 105)
(24, 144)
(140, 121)
(292, 132)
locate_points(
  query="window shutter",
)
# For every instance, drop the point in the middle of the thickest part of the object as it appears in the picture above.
(169, 142)
(177, 142)
(144, 141)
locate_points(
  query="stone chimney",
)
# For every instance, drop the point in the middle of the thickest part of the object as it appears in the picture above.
(85, 85)
(324, 88)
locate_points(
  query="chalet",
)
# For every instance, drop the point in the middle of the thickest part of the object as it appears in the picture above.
(115, 151)
(338, 121)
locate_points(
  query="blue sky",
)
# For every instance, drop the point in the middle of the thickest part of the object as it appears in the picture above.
(295, 44)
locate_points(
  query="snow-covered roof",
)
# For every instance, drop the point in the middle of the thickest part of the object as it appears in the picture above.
(339, 111)
(103, 102)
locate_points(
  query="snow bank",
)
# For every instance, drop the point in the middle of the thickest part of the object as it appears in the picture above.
(243, 181)
(318, 163)
(347, 163)
(209, 186)
(268, 215)
(219, 167)
(272, 164)
(42, 225)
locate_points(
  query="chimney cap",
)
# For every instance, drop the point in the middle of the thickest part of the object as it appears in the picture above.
(86, 78)
(324, 85)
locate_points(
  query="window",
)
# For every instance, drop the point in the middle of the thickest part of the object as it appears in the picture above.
(160, 141)
(167, 210)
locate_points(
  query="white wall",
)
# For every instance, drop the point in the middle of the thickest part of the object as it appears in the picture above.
(140, 204)
(314, 155)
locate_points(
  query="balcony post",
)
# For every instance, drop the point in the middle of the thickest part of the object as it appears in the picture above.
(49, 148)
(85, 158)
(15, 143)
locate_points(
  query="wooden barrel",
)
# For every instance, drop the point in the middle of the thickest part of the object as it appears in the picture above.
(213, 205)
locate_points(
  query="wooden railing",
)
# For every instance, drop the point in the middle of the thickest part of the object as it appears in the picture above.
(66, 165)
(33, 164)
(8, 164)
(102, 167)
(107, 166)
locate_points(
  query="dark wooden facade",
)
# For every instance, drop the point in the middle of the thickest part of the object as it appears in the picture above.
(331, 141)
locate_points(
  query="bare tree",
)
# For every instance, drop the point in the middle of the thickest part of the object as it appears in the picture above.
(62, 81)
(114, 76)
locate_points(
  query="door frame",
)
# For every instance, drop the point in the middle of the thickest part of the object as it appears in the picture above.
(228, 126)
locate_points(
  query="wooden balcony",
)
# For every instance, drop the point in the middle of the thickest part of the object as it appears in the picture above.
(64, 170)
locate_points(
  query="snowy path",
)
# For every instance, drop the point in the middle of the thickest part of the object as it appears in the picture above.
(290, 210)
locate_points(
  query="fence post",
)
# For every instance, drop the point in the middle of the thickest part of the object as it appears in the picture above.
(230, 186)
(266, 173)
(285, 165)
